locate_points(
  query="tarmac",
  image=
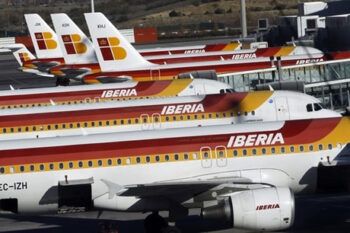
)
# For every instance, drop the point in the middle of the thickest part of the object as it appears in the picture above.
(319, 213)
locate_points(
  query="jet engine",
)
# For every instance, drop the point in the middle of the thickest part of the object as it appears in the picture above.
(203, 74)
(267, 209)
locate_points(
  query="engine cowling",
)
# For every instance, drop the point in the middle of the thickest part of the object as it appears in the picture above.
(267, 209)
(202, 74)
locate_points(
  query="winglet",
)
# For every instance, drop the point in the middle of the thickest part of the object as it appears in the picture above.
(44, 38)
(113, 189)
(113, 51)
(22, 55)
(76, 47)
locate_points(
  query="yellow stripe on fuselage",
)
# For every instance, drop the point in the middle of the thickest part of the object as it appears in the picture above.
(254, 100)
(285, 51)
(175, 87)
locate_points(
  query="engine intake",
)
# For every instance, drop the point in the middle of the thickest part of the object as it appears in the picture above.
(267, 209)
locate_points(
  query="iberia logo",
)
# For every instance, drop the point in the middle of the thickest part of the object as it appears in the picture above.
(45, 41)
(24, 57)
(110, 49)
(73, 44)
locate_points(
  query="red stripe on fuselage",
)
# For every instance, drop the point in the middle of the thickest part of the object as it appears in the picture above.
(316, 130)
(211, 103)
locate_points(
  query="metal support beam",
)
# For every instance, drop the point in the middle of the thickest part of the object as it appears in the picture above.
(243, 19)
(92, 6)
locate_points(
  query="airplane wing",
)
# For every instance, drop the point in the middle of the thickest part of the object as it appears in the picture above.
(184, 189)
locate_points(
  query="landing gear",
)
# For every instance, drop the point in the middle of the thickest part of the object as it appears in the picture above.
(154, 223)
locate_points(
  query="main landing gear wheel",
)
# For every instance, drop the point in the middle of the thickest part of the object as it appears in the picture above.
(154, 223)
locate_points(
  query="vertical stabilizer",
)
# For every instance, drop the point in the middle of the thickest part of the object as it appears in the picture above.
(76, 47)
(113, 51)
(23, 55)
(43, 37)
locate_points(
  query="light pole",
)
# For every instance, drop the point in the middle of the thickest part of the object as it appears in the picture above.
(243, 19)
(92, 6)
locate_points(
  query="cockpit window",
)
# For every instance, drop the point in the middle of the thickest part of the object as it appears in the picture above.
(317, 107)
(309, 108)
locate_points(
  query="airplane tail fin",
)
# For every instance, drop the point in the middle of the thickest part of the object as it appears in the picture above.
(113, 51)
(43, 37)
(76, 47)
(23, 55)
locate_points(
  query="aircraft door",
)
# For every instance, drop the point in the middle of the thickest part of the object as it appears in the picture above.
(206, 157)
(221, 156)
(157, 121)
(145, 121)
(155, 74)
(282, 109)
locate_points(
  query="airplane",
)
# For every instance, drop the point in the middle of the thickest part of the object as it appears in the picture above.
(37, 97)
(195, 49)
(45, 43)
(245, 174)
(77, 57)
(82, 60)
(159, 113)
(118, 58)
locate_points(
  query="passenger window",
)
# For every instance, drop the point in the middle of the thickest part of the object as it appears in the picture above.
(185, 156)
(330, 147)
(70, 164)
(148, 159)
(99, 162)
(70, 125)
(157, 158)
(292, 149)
(167, 158)
(253, 113)
(51, 166)
(85, 124)
(31, 167)
(119, 161)
(263, 151)
(311, 148)
(235, 153)
(138, 160)
(273, 150)
(254, 151)
(21, 168)
(301, 148)
(4, 130)
(176, 157)
(2, 170)
(283, 150)
(90, 163)
(61, 166)
(42, 167)
(80, 164)
(109, 162)
(244, 152)
(309, 108)
(320, 147)
(100, 123)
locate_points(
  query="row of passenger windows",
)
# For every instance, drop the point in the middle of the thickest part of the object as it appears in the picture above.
(144, 120)
(85, 101)
(218, 154)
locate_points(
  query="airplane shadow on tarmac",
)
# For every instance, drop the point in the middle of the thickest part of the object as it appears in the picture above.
(319, 213)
